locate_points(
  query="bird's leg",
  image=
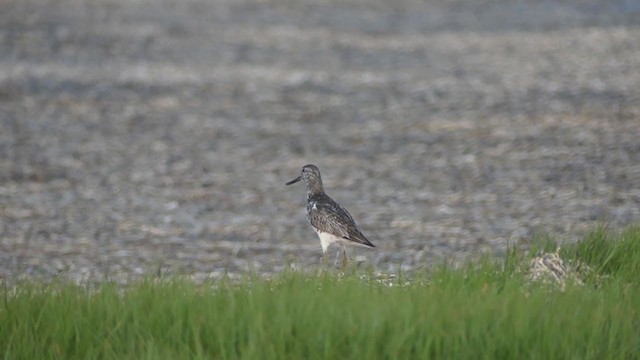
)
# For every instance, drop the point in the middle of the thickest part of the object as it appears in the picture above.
(344, 258)
(324, 260)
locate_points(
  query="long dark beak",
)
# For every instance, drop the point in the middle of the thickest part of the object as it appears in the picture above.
(294, 180)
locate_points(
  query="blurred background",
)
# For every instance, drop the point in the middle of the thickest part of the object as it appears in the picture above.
(144, 135)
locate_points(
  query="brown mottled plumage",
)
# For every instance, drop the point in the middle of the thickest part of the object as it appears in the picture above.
(330, 220)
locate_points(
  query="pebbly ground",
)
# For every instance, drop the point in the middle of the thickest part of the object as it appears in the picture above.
(144, 135)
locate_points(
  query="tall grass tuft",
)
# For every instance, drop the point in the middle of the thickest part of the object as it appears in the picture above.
(610, 253)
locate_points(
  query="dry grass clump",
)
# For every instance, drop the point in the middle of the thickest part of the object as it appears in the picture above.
(549, 268)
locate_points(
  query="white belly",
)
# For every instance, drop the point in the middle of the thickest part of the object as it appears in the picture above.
(327, 239)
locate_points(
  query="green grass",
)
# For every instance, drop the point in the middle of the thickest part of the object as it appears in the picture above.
(485, 310)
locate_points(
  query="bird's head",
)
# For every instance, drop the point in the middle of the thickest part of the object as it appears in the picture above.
(311, 176)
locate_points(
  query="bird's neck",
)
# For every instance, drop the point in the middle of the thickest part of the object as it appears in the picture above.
(314, 190)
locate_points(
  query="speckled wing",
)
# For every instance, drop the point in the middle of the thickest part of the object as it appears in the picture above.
(328, 216)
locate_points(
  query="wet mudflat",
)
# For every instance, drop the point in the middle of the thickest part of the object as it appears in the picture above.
(141, 135)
